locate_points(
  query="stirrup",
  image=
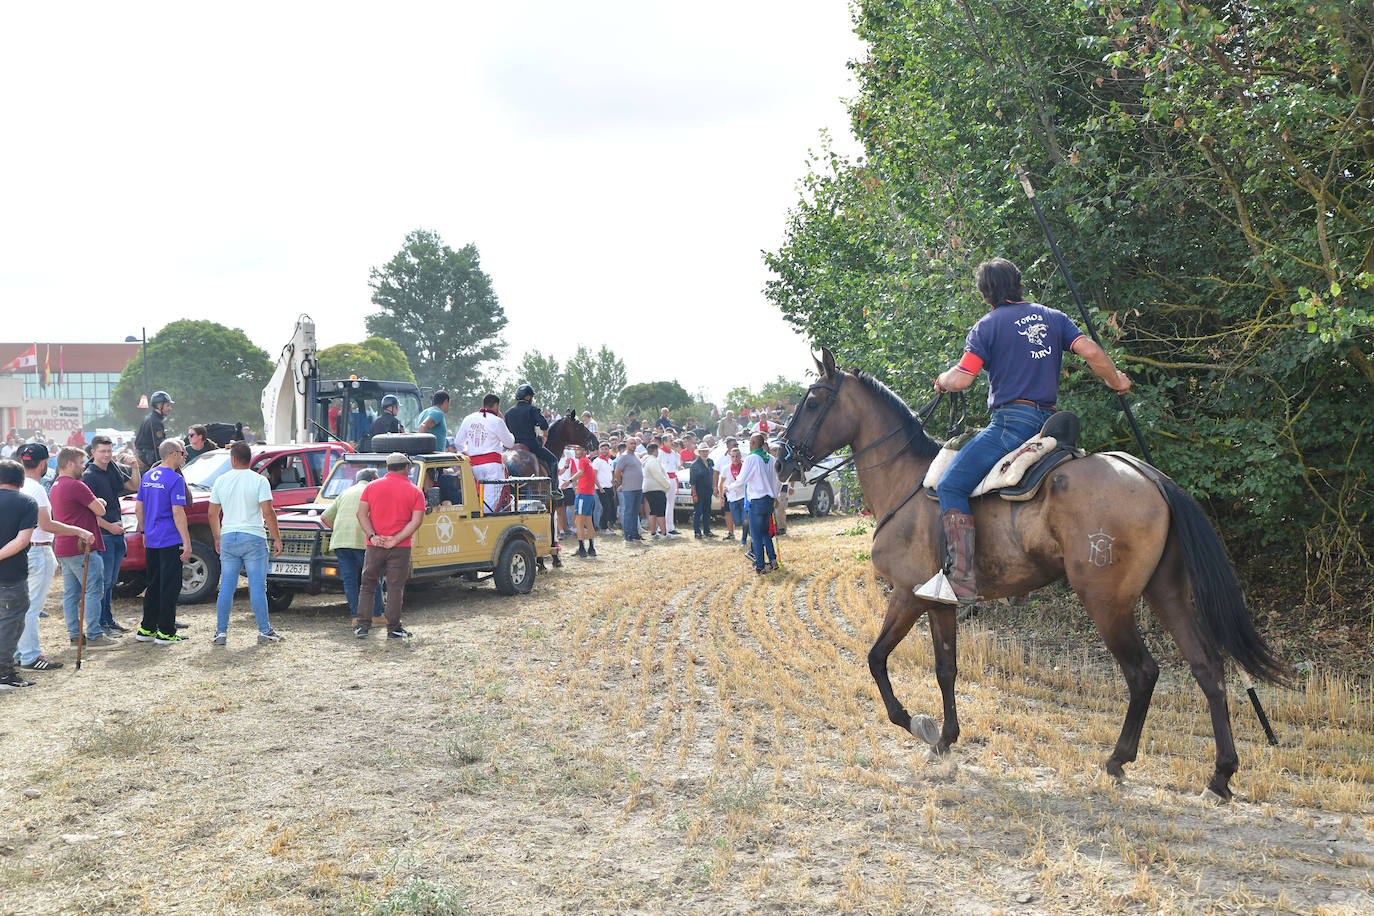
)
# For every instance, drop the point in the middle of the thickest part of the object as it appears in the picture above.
(938, 589)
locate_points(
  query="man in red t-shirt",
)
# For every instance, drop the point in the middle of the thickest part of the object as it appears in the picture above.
(390, 510)
(584, 504)
(74, 504)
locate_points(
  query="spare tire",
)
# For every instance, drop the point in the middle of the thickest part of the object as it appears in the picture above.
(408, 443)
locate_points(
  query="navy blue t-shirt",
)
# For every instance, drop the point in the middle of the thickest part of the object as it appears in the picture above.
(17, 512)
(1022, 346)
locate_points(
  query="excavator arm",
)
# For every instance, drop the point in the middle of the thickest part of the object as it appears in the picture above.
(290, 394)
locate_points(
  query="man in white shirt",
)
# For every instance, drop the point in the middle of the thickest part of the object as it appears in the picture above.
(483, 436)
(760, 480)
(671, 461)
(604, 464)
(588, 422)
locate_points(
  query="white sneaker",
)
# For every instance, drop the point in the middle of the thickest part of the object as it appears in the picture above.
(270, 636)
(220, 639)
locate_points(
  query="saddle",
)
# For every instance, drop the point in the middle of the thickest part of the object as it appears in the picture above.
(1021, 472)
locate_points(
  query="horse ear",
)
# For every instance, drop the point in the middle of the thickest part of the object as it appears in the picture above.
(820, 368)
(827, 363)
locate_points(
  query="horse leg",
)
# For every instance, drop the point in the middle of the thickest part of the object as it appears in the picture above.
(902, 614)
(1169, 595)
(942, 637)
(1116, 624)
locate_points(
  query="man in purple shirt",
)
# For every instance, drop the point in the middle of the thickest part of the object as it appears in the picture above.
(161, 514)
(1021, 345)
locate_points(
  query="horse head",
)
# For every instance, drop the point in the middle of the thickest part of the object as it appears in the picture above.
(569, 430)
(817, 428)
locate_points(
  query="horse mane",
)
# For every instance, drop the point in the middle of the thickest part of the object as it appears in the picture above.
(920, 441)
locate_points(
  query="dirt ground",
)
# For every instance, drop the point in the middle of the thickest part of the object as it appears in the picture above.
(656, 731)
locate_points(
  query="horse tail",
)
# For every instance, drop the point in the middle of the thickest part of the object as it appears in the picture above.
(1218, 601)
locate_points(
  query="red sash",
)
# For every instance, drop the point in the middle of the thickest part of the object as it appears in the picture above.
(488, 458)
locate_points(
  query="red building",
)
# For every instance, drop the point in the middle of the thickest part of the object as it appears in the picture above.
(85, 372)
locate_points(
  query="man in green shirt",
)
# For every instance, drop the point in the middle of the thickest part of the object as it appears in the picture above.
(349, 541)
(432, 420)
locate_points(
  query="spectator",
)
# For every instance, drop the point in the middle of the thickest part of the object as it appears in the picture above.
(655, 490)
(663, 422)
(388, 421)
(42, 564)
(484, 436)
(604, 464)
(349, 543)
(702, 479)
(670, 457)
(760, 483)
(244, 498)
(433, 420)
(161, 515)
(389, 511)
(583, 480)
(74, 504)
(198, 442)
(108, 481)
(628, 479)
(732, 495)
(566, 492)
(588, 422)
(18, 524)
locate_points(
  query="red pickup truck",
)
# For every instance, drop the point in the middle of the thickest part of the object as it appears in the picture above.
(295, 473)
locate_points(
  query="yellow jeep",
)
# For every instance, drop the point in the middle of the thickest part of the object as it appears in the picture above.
(458, 537)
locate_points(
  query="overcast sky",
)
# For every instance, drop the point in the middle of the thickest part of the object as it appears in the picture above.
(620, 166)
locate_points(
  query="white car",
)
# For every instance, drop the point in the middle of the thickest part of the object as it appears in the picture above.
(817, 498)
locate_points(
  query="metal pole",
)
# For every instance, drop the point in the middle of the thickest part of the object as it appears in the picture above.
(1078, 300)
(1140, 439)
(145, 367)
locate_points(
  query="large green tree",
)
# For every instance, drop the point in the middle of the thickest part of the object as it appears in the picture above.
(1209, 172)
(374, 358)
(439, 306)
(649, 397)
(213, 373)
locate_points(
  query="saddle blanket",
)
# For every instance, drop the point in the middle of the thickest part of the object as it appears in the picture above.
(1011, 470)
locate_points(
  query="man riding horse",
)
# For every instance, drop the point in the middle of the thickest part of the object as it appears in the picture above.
(522, 419)
(1021, 345)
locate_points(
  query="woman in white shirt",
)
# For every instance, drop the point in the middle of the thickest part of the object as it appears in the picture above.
(732, 495)
(655, 490)
(760, 481)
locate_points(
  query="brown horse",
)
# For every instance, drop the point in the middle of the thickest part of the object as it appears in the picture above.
(1115, 533)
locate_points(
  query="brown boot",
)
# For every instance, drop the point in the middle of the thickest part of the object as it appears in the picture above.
(959, 559)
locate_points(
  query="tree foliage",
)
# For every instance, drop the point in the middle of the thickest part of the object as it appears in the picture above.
(782, 391)
(588, 381)
(1209, 173)
(213, 373)
(374, 358)
(649, 397)
(440, 308)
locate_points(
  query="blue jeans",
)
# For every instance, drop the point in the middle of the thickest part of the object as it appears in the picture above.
(629, 512)
(760, 514)
(1009, 428)
(351, 572)
(72, 569)
(42, 566)
(701, 516)
(112, 556)
(239, 551)
(14, 601)
(737, 515)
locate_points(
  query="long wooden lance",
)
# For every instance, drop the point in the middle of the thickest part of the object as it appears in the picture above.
(1135, 427)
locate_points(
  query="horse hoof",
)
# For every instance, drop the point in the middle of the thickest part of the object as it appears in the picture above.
(925, 728)
(1209, 796)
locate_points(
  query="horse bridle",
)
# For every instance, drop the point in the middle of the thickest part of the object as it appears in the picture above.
(803, 450)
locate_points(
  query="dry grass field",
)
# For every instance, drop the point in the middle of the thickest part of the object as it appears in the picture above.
(656, 731)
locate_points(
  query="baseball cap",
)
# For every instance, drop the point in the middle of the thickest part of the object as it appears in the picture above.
(397, 459)
(33, 451)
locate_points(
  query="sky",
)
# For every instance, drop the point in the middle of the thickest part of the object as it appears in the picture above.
(619, 165)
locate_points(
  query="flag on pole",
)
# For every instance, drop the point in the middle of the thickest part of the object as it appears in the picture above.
(24, 360)
(43, 372)
(59, 363)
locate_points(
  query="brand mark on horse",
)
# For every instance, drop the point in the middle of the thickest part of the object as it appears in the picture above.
(1100, 548)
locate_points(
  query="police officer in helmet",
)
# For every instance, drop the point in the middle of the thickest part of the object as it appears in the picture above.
(151, 432)
(522, 419)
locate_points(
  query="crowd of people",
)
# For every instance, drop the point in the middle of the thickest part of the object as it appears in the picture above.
(60, 510)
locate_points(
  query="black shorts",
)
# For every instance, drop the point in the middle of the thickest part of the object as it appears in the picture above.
(569, 496)
(658, 502)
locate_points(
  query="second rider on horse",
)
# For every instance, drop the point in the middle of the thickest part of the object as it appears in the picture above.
(1021, 345)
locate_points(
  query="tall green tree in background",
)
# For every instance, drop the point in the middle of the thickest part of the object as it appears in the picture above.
(213, 373)
(649, 397)
(1209, 173)
(439, 306)
(374, 358)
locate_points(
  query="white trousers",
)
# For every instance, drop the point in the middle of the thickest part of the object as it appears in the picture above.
(672, 502)
(491, 493)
